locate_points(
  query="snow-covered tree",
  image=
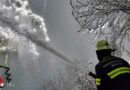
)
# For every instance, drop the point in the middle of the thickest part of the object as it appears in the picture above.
(71, 79)
(106, 18)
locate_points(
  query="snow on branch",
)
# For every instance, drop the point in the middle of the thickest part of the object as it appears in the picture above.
(108, 18)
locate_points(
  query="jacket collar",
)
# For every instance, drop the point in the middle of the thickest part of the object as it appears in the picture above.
(108, 58)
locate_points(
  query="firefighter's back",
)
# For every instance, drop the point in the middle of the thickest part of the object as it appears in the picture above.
(117, 73)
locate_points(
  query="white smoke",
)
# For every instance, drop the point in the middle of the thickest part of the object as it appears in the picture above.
(21, 27)
(15, 15)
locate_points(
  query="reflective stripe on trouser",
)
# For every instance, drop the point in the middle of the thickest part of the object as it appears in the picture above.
(98, 80)
(114, 73)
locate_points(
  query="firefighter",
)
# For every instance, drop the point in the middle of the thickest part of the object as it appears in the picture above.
(112, 73)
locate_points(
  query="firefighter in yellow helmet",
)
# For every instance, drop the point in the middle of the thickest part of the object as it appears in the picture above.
(112, 73)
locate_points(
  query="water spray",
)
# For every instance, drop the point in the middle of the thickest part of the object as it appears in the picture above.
(43, 44)
(21, 28)
(51, 50)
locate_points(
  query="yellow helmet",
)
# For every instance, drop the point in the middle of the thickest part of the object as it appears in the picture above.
(102, 45)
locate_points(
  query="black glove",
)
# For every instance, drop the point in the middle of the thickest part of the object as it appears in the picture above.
(92, 74)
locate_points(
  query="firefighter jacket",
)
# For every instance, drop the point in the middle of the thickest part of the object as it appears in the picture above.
(113, 73)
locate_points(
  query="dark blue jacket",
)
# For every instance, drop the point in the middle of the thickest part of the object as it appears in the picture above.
(113, 73)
